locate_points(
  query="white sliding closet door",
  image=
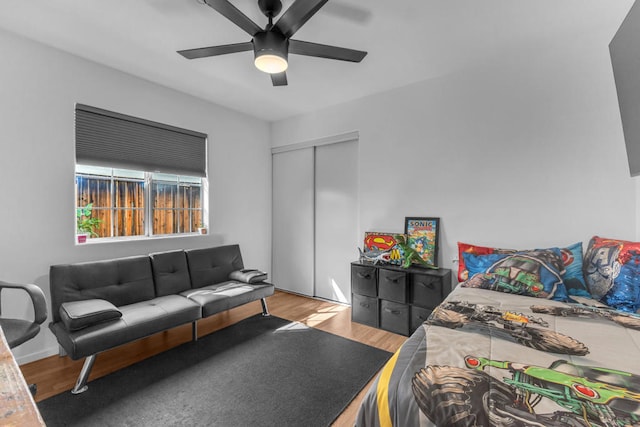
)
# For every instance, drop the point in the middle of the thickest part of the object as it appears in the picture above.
(336, 189)
(315, 216)
(293, 220)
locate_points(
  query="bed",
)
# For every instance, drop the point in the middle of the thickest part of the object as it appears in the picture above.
(491, 358)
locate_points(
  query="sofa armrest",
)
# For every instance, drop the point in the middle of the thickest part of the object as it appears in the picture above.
(76, 315)
(248, 276)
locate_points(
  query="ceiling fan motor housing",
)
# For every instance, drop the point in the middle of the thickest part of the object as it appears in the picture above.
(271, 43)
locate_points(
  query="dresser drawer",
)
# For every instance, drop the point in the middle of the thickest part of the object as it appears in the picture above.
(426, 290)
(364, 280)
(396, 299)
(394, 317)
(418, 316)
(392, 285)
(364, 310)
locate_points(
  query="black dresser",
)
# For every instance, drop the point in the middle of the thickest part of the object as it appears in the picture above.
(396, 299)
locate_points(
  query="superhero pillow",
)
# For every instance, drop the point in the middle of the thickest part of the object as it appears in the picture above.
(463, 272)
(535, 273)
(612, 272)
(573, 278)
(571, 257)
(480, 263)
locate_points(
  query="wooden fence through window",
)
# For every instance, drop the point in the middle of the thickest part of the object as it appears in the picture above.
(176, 208)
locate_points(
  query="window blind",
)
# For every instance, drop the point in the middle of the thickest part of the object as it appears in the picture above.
(106, 138)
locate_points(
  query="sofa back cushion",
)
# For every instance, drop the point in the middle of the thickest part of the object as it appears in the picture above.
(120, 281)
(213, 265)
(170, 272)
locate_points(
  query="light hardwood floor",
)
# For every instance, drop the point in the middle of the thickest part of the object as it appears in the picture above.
(54, 375)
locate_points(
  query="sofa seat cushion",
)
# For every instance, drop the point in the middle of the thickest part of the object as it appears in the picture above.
(226, 295)
(138, 320)
(78, 315)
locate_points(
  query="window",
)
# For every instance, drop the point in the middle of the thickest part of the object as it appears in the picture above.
(117, 198)
(135, 177)
(176, 203)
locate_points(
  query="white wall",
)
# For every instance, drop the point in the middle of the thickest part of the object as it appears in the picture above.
(523, 151)
(39, 87)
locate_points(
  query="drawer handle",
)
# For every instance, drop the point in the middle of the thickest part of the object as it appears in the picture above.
(396, 312)
(362, 304)
(394, 279)
(364, 276)
(426, 285)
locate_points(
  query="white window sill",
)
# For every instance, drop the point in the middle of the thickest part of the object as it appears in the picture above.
(101, 240)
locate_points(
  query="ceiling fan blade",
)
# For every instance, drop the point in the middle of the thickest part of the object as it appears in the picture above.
(325, 51)
(203, 52)
(279, 79)
(234, 15)
(297, 15)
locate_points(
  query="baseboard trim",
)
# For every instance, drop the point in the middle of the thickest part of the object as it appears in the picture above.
(32, 357)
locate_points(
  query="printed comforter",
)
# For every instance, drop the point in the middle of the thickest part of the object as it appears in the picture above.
(487, 358)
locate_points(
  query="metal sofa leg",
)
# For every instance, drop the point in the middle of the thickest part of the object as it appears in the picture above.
(265, 310)
(194, 331)
(81, 382)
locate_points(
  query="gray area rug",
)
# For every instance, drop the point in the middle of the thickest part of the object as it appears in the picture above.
(262, 371)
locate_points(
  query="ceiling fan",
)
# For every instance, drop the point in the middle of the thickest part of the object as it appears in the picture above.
(273, 44)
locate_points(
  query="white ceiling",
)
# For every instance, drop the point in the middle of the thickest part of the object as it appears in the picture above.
(407, 41)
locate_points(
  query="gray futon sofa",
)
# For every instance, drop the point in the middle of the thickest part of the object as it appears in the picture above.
(100, 305)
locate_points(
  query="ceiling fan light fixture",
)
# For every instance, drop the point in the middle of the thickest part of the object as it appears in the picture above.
(270, 63)
(271, 52)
